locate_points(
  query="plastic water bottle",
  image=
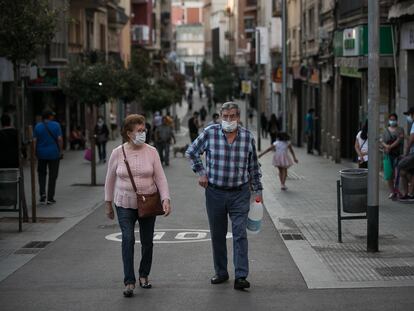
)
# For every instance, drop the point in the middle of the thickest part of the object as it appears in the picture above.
(254, 219)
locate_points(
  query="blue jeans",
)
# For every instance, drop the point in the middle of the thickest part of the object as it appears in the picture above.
(235, 204)
(127, 218)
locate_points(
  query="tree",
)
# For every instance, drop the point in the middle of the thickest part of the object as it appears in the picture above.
(223, 79)
(91, 85)
(26, 27)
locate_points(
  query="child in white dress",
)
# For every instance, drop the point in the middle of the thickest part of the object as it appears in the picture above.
(281, 158)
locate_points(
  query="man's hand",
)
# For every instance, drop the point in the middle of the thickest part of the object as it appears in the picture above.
(203, 181)
(166, 207)
(109, 210)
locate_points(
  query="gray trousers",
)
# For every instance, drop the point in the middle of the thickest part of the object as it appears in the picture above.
(235, 204)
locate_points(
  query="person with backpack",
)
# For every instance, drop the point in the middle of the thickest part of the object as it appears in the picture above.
(48, 142)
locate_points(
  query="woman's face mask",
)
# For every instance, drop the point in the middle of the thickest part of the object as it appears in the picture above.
(409, 119)
(139, 138)
(392, 123)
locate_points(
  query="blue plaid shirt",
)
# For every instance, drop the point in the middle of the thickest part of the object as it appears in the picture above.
(228, 165)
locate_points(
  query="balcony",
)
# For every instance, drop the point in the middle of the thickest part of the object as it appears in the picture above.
(117, 17)
(140, 34)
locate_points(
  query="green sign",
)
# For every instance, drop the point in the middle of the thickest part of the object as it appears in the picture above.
(46, 78)
(350, 72)
(359, 43)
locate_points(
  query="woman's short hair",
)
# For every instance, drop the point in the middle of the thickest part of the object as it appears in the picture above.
(393, 115)
(229, 106)
(129, 124)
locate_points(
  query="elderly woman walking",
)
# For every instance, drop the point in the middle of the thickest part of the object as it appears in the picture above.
(149, 177)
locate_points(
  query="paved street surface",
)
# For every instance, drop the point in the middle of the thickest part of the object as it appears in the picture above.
(81, 269)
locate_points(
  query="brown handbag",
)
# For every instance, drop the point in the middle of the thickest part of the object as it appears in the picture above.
(148, 204)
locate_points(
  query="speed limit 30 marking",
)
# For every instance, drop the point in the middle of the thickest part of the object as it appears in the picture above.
(172, 236)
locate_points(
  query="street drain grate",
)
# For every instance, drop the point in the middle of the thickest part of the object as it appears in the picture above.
(396, 271)
(28, 251)
(292, 236)
(36, 244)
(32, 247)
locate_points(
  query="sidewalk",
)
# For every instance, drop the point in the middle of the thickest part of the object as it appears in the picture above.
(75, 198)
(308, 210)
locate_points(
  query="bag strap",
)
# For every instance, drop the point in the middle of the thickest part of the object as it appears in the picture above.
(129, 170)
(363, 144)
(51, 135)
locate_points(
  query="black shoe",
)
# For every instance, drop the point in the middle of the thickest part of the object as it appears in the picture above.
(219, 279)
(145, 284)
(241, 283)
(51, 201)
(42, 200)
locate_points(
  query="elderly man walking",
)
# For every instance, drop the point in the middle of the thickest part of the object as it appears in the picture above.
(231, 173)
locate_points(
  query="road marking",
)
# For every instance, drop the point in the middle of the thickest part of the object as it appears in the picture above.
(172, 236)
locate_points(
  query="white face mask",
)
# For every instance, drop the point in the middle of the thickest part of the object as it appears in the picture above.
(139, 138)
(229, 126)
(409, 119)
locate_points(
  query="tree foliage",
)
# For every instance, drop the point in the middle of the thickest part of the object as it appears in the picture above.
(90, 83)
(26, 27)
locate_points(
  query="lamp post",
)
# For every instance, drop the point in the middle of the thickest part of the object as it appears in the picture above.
(259, 108)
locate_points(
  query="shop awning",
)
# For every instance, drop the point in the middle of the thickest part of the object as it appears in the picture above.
(401, 9)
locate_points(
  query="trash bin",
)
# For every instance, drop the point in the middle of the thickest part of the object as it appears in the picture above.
(9, 181)
(354, 183)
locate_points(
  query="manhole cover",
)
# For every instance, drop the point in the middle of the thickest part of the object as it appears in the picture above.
(396, 271)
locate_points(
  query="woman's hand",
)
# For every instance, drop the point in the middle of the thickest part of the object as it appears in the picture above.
(166, 207)
(109, 210)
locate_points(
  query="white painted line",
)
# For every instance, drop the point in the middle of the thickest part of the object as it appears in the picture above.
(182, 236)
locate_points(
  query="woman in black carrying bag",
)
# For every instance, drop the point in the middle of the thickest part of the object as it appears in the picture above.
(135, 172)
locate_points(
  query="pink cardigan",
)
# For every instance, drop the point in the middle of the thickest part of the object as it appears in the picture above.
(147, 171)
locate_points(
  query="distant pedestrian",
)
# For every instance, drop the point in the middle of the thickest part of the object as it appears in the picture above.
(251, 115)
(392, 141)
(156, 120)
(190, 99)
(263, 124)
(77, 139)
(101, 136)
(231, 172)
(215, 119)
(361, 146)
(209, 98)
(164, 136)
(309, 129)
(9, 154)
(203, 114)
(48, 141)
(113, 121)
(281, 158)
(148, 176)
(273, 127)
(200, 91)
(406, 164)
(193, 126)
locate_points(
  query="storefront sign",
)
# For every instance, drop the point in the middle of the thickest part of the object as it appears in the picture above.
(407, 36)
(47, 77)
(350, 72)
(246, 87)
(351, 42)
(355, 41)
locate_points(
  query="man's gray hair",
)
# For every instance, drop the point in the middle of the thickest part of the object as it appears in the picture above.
(228, 106)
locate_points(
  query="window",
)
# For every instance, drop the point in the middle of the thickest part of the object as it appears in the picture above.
(103, 37)
(311, 33)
